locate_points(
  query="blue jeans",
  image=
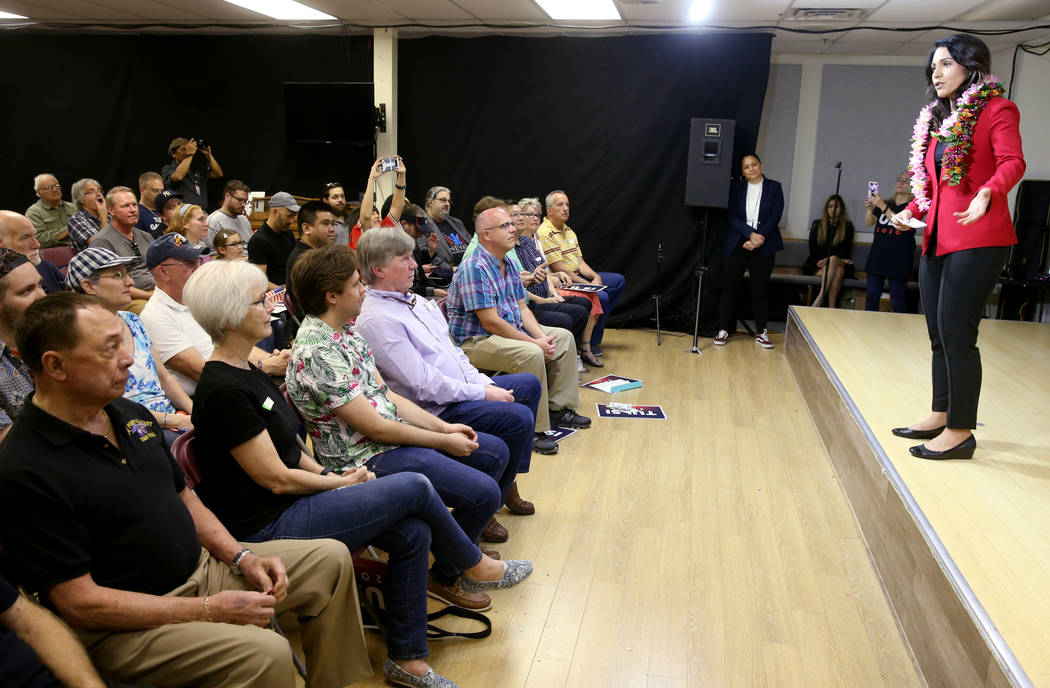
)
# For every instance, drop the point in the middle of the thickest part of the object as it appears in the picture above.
(608, 297)
(402, 515)
(467, 484)
(898, 293)
(514, 423)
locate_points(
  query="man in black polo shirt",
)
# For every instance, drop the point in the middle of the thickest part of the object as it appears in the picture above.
(95, 515)
(270, 247)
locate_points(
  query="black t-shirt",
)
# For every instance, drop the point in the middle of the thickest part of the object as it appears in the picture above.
(892, 251)
(270, 248)
(71, 504)
(818, 250)
(230, 407)
(453, 241)
(19, 665)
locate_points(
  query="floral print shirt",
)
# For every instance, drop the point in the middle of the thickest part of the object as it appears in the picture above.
(328, 369)
(143, 384)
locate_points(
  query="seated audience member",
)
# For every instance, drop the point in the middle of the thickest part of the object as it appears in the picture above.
(95, 515)
(569, 310)
(150, 184)
(91, 213)
(18, 234)
(489, 320)
(230, 214)
(892, 253)
(409, 338)
(19, 289)
(179, 341)
(316, 230)
(563, 253)
(37, 649)
(270, 247)
(229, 245)
(831, 234)
(355, 421)
(428, 282)
(121, 237)
(334, 196)
(487, 203)
(189, 170)
(191, 222)
(368, 215)
(167, 202)
(263, 487)
(50, 214)
(103, 274)
(450, 232)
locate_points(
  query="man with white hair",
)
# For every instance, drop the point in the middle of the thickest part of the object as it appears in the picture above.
(18, 234)
(50, 214)
(91, 212)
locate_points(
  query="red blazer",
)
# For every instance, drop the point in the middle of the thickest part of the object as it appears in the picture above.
(994, 162)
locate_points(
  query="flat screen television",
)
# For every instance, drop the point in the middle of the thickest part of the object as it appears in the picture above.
(330, 112)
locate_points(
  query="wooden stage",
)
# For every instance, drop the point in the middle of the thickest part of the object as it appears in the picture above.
(962, 547)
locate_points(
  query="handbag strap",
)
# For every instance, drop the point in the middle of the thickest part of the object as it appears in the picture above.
(436, 632)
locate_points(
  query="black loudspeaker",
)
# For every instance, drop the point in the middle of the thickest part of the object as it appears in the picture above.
(710, 162)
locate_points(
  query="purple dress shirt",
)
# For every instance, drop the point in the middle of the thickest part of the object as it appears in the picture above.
(415, 354)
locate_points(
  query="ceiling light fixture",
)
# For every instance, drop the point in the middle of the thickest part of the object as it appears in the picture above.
(561, 10)
(9, 15)
(287, 10)
(698, 10)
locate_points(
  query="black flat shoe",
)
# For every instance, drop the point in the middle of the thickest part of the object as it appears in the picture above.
(909, 434)
(590, 359)
(963, 450)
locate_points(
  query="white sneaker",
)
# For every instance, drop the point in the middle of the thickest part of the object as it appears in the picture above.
(762, 340)
(721, 338)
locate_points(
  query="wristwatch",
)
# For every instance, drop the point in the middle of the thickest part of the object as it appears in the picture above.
(235, 563)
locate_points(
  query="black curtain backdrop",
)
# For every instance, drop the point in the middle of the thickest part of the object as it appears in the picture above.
(606, 119)
(107, 106)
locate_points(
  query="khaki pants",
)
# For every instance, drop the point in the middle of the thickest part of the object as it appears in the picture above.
(321, 592)
(558, 375)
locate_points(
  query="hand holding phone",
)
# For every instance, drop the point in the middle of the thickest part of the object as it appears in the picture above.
(873, 188)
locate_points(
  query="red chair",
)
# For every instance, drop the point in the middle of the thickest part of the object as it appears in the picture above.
(289, 305)
(182, 450)
(59, 255)
(299, 417)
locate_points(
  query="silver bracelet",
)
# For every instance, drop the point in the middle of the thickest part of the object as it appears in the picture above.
(235, 563)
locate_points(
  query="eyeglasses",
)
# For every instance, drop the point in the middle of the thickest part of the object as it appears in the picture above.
(234, 243)
(191, 264)
(901, 180)
(505, 225)
(9, 260)
(531, 214)
(118, 275)
(50, 187)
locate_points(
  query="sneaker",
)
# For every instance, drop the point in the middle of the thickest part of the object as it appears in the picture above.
(762, 340)
(721, 338)
(567, 418)
(541, 444)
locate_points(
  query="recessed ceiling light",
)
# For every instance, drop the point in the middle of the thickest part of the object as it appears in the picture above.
(580, 9)
(282, 9)
(8, 15)
(699, 9)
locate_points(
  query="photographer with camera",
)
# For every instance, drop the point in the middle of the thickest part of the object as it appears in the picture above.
(192, 166)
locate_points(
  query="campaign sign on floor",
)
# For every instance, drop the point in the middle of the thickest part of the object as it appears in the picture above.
(558, 434)
(631, 411)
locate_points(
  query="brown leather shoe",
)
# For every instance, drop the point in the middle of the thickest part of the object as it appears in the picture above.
(490, 553)
(494, 532)
(455, 594)
(518, 505)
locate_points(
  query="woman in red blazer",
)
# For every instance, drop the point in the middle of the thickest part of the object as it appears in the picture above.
(966, 156)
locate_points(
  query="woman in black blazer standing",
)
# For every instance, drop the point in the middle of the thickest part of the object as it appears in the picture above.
(755, 206)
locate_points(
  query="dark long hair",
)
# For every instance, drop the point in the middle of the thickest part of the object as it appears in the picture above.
(970, 52)
(840, 222)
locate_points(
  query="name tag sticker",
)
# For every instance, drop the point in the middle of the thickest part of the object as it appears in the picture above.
(268, 404)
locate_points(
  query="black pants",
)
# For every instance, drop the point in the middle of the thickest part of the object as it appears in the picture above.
(760, 267)
(572, 315)
(954, 289)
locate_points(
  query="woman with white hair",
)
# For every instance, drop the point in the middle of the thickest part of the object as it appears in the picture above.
(262, 486)
(91, 212)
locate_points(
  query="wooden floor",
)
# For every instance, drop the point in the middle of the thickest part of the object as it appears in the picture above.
(712, 549)
(992, 514)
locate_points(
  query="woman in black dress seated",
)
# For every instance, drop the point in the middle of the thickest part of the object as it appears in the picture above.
(892, 248)
(832, 231)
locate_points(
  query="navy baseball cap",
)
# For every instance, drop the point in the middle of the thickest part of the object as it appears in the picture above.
(172, 245)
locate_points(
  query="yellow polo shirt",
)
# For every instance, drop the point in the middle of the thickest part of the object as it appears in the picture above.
(559, 245)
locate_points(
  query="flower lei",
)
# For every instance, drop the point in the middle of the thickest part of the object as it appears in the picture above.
(956, 130)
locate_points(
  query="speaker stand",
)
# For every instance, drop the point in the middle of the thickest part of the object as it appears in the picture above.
(701, 270)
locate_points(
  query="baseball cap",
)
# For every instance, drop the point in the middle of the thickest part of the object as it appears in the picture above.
(175, 143)
(89, 261)
(163, 197)
(172, 245)
(283, 199)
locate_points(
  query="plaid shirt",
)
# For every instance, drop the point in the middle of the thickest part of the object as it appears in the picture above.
(479, 284)
(15, 385)
(82, 226)
(530, 258)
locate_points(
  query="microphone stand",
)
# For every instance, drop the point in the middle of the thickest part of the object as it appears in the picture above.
(827, 258)
(701, 270)
(659, 289)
